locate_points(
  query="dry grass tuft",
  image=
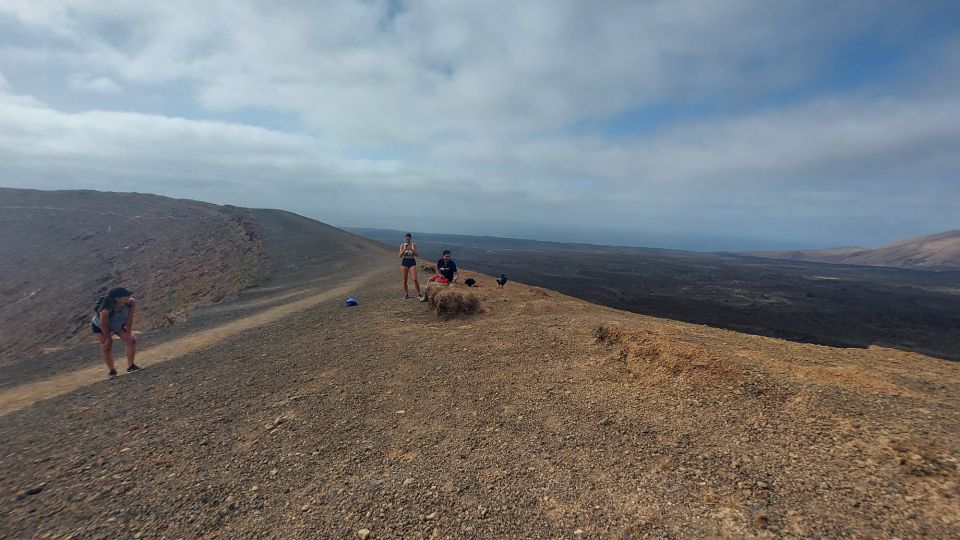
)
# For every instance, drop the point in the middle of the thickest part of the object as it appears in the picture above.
(453, 301)
(660, 360)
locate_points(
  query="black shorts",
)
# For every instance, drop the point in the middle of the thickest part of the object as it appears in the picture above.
(96, 329)
(407, 263)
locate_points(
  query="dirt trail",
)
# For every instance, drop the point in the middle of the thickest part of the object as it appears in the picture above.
(24, 395)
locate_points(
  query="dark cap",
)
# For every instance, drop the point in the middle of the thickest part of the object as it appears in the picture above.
(118, 292)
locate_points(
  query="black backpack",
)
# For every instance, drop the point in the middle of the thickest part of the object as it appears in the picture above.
(101, 303)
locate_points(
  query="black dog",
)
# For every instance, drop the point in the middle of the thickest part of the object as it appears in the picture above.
(502, 280)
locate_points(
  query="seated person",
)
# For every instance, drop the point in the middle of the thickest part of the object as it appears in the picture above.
(446, 270)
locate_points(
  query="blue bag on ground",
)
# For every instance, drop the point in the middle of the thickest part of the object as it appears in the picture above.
(351, 302)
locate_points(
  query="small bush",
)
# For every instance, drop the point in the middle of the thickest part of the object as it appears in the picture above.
(660, 359)
(452, 301)
(607, 333)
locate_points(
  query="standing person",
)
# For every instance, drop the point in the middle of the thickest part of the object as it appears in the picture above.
(114, 315)
(408, 263)
(447, 267)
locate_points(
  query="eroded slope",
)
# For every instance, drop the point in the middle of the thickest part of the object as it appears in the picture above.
(60, 250)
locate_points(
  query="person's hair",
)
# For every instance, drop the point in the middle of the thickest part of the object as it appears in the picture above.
(408, 235)
(105, 302)
(446, 252)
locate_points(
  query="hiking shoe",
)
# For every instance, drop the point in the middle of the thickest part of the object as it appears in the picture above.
(112, 374)
(133, 368)
(406, 297)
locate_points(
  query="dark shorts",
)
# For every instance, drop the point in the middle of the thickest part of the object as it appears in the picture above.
(96, 329)
(407, 263)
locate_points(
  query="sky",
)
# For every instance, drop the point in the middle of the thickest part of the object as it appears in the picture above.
(693, 124)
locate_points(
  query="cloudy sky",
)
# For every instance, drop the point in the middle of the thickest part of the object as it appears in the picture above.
(701, 124)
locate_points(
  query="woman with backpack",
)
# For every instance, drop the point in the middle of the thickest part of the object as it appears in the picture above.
(114, 314)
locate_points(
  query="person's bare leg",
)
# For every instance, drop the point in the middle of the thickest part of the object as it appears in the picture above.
(415, 282)
(404, 271)
(130, 341)
(106, 350)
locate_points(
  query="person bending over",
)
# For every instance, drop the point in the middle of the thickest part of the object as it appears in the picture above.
(114, 314)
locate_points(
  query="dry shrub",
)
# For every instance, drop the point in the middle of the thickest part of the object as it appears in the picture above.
(657, 359)
(608, 334)
(428, 268)
(452, 301)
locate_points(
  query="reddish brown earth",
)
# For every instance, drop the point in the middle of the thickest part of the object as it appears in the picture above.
(539, 416)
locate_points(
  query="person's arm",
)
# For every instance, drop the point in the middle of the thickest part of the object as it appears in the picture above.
(402, 249)
(105, 322)
(415, 252)
(133, 311)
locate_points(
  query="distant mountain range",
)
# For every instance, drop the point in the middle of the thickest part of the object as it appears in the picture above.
(934, 252)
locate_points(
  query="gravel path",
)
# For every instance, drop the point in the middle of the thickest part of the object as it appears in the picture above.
(18, 397)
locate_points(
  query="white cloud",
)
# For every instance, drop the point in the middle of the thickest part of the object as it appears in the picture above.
(780, 165)
(797, 146)
(477, 106)
(44, 148)
(94, 84)
(441, 68)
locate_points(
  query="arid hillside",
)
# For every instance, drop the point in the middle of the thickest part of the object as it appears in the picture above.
(483, 413)
(61, 250)
(934, 252)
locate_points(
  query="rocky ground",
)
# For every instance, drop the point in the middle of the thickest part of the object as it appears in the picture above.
(61, 250)
(543, 416)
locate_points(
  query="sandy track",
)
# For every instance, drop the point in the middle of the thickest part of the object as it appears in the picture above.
(24, 395)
